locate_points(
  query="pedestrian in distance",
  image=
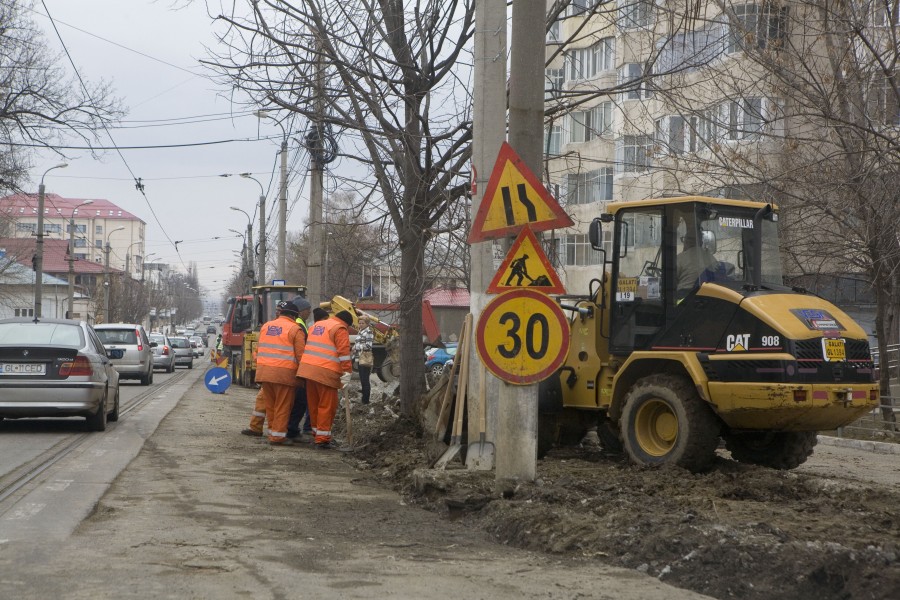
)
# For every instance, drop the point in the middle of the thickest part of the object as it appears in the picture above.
(300, 412)
(326, 367)
(362, 352)
(278, 353)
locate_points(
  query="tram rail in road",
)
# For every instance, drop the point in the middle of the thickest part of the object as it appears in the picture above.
(45, 495)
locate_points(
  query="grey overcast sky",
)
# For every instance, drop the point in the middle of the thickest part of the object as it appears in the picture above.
(150, 54)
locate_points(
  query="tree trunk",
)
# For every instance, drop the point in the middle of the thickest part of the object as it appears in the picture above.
(412, 265)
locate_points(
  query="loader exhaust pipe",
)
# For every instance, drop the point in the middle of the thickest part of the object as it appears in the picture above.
(757, 243)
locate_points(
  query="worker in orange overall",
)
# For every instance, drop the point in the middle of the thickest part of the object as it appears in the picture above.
(278, 353)
(326, 367)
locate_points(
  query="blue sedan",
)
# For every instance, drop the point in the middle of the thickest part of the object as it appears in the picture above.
(436, 358)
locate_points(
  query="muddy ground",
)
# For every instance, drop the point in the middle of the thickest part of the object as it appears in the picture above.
(738, 531)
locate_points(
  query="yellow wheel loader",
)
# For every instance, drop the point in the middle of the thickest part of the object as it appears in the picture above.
(689, 336)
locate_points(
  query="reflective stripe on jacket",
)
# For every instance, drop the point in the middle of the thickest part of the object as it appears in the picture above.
(278, 352)
(327, 353)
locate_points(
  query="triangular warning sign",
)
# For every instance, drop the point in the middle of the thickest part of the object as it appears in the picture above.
(514, 198)
(526, 265)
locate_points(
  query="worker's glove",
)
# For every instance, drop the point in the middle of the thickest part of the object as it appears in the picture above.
(345, 380)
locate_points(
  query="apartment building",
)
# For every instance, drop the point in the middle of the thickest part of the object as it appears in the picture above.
(93, 224)
(650, 98)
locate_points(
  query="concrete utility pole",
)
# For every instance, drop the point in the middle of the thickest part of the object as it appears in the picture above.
(107, 283)
(517, 405)
(316, 176)
(282, 211)
(39, 248)
(70, 311)
(489, 125)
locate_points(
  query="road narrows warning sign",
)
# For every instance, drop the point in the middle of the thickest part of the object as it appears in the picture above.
(514, 197)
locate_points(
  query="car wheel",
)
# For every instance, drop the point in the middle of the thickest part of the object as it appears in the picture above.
(97, 421)
(191, 365)
(114, 414)
(171, 368)
(148, 378)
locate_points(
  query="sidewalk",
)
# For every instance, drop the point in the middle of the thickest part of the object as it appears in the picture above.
(204, 512)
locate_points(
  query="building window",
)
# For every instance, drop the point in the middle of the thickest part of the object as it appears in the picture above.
(579, 64)
(78, 228)
(98, 244)
(579, 251)
(883, 103)
(52, 228)
(553, 33)
(603, 55)
(590, 186)
(553, 140)
(553, 81)
(80, 243)
(635, 13)
(745, 119)
(98, 230)
(81, 256)
(634, 152)
(759, 26)
(26, 227)
(23, 312)
(587, 125)
(634, 72)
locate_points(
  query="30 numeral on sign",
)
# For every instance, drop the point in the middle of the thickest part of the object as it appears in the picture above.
(522, 336)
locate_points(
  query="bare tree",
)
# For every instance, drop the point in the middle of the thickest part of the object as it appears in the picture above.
(39, 103)
(388, 79)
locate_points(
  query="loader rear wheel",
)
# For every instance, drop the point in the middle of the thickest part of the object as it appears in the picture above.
(774, 449)
(664, 421)
(389, 371)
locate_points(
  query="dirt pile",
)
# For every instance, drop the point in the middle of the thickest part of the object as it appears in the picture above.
(738, 531)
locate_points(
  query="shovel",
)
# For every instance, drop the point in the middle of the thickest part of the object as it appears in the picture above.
(456, 435)
(480, 456)
(346, 400)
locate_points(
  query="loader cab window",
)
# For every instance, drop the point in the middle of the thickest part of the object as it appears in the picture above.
(638, 292)
(240, 315)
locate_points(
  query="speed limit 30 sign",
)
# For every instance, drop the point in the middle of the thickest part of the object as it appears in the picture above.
(522, 336)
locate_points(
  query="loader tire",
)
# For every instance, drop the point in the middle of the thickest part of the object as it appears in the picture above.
(664, 421)
(782, 450)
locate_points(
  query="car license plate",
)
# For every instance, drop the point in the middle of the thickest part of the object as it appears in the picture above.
(833, 349)
(23, 369)
(116, 353)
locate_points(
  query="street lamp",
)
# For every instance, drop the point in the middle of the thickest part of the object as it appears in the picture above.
(282, 197)
(248, 240)
(39, 247)
(261, 257)
(106, 275)
(72, 257)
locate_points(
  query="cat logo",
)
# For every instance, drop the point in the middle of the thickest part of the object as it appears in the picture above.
(737, 343)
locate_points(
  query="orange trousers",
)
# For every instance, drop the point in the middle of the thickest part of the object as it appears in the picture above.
(322, 402)
(258, 416)
(279, 399)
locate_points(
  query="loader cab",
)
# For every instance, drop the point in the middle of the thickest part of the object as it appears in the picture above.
(664, 251)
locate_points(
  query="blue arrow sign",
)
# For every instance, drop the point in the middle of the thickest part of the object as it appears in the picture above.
(217, 380)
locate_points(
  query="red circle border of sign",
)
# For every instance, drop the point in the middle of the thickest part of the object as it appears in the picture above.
(492, 366)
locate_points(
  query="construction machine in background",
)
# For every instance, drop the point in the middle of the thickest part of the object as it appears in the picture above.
(386, 345)
(245, 317)
(689, 336)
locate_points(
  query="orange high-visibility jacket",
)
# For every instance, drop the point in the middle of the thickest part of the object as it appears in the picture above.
(327, 353)
(281, 344)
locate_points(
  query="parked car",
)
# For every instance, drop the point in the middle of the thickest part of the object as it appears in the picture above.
(184, 353)
(163, 354)
(437, 357)
(56, 368)
(129, 348)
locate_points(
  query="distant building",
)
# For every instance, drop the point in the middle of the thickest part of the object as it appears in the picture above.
(17, 292)
(96, 223)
